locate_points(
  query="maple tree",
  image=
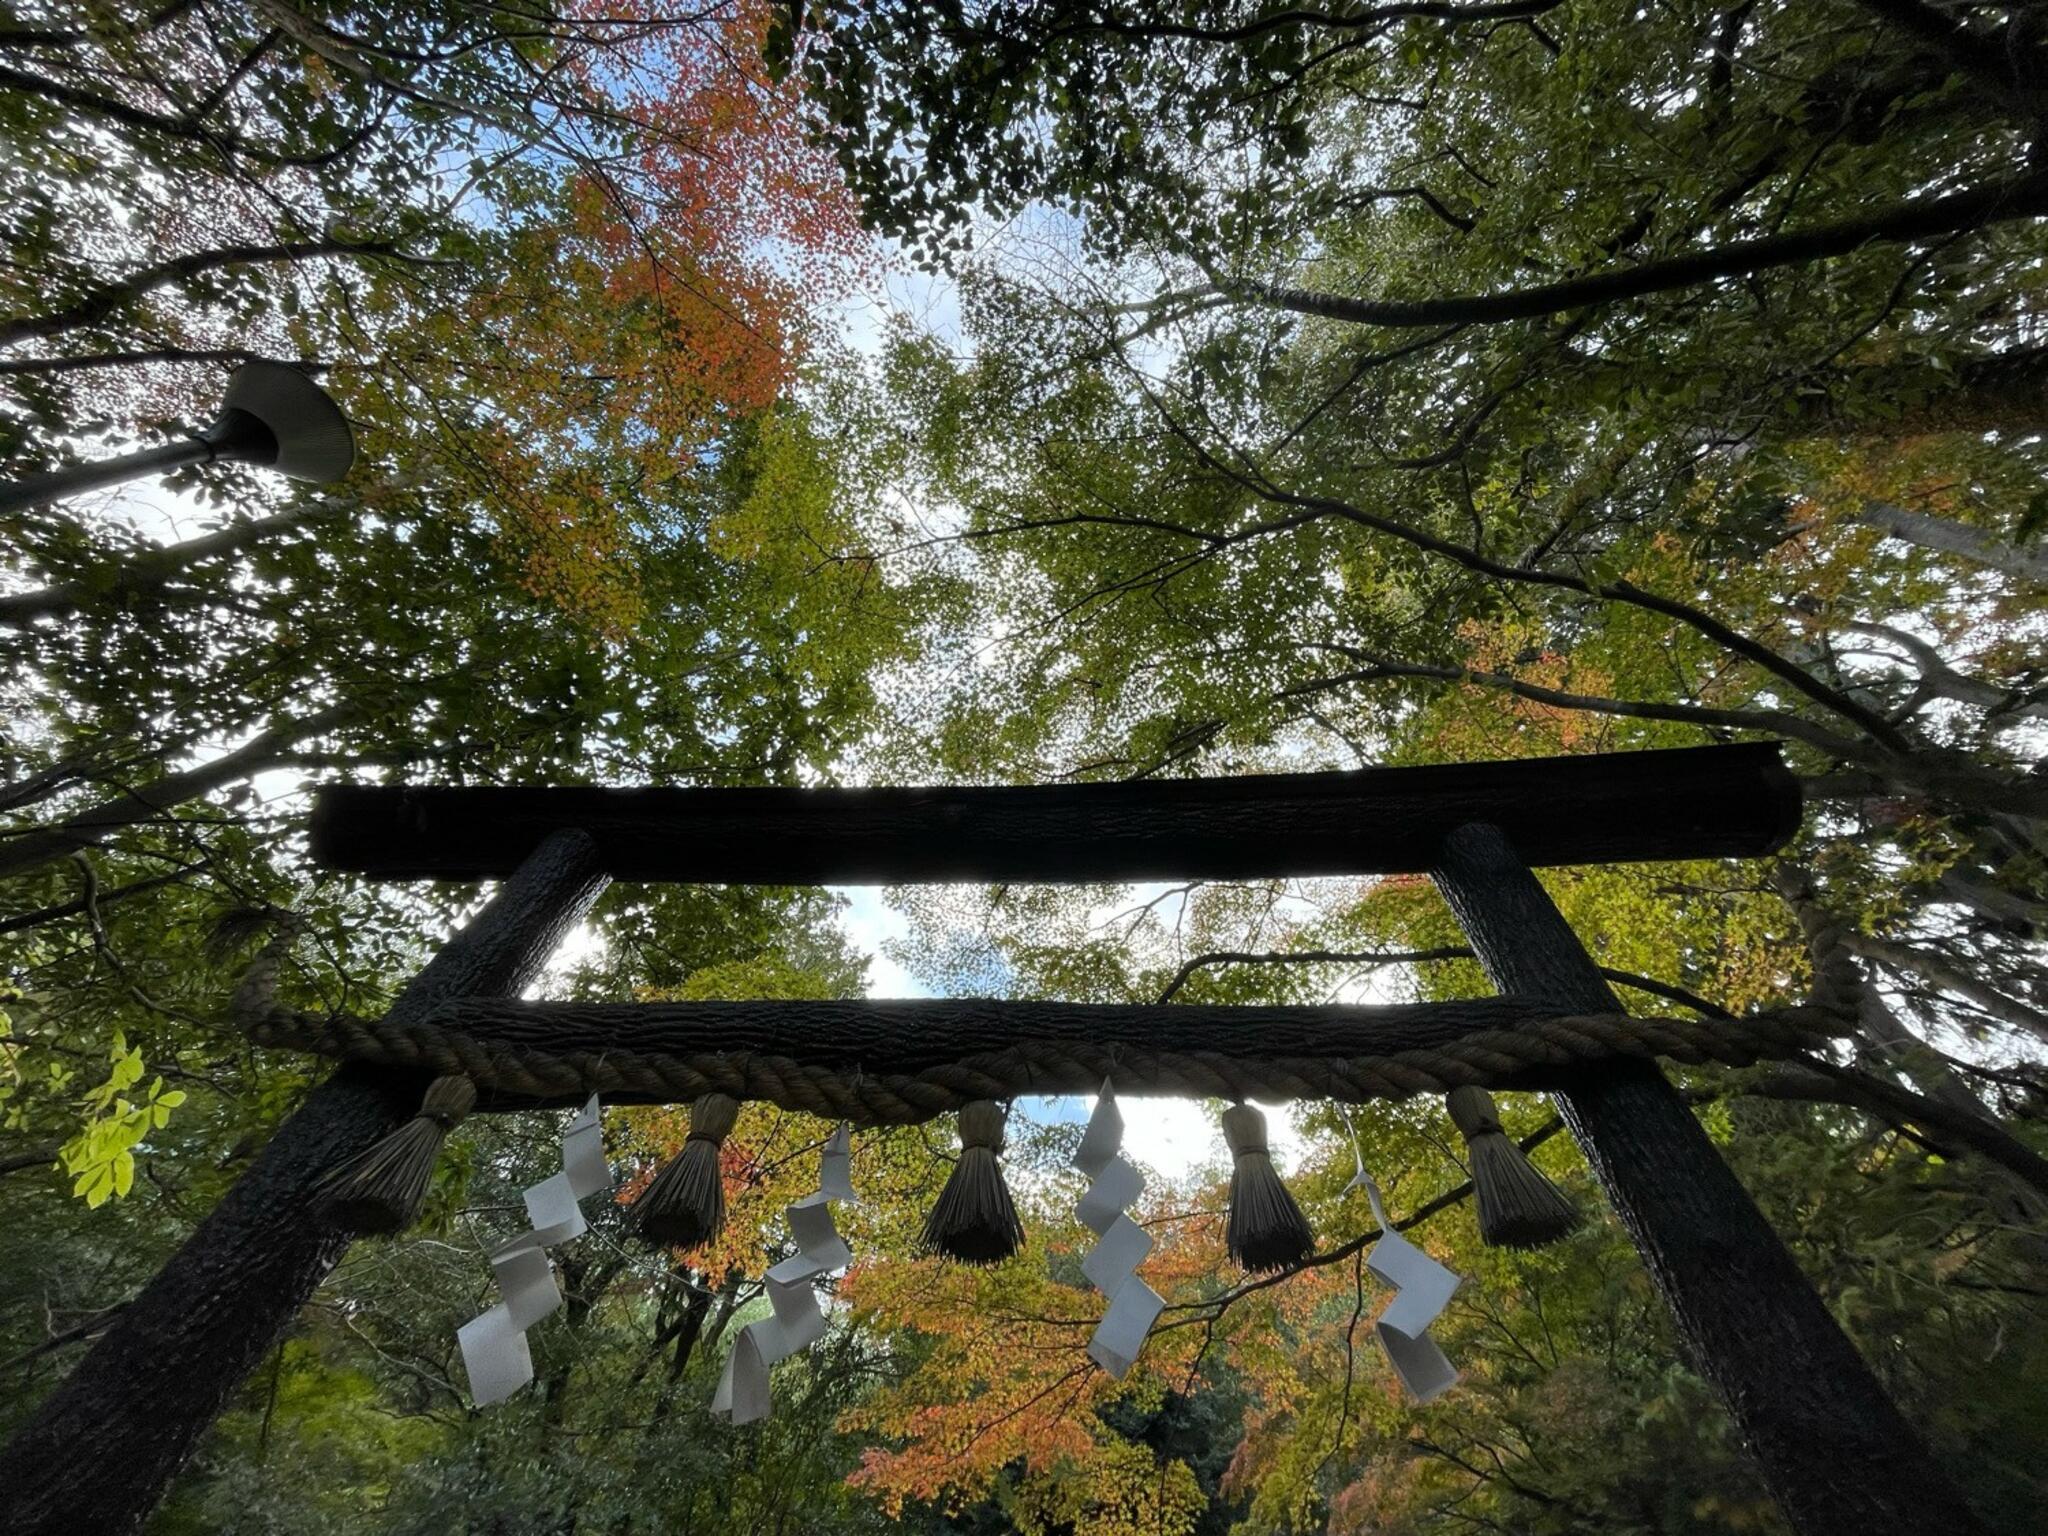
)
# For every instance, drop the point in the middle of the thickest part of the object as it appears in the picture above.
(560, 272)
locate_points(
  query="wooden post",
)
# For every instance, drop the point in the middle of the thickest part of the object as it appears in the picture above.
(105, 1444)
(1831, 1446)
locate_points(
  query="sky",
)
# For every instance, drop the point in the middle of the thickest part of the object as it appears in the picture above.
(1172, 1137)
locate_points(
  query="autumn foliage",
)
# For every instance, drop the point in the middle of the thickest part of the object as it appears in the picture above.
(664, 293)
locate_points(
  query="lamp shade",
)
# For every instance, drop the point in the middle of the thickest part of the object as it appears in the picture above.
(303, 433)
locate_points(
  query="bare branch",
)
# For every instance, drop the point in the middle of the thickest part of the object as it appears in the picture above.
(103, 301)
(1953, 538)
(2024, 197)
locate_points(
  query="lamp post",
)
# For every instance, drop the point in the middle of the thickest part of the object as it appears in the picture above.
(273, 416)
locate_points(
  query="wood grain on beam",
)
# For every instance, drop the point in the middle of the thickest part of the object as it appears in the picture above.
(1695, 802)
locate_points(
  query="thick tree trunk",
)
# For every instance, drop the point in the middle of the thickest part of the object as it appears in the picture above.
(1831, 1447)
(103, 1447)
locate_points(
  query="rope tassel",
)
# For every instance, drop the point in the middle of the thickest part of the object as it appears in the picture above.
(974, 1219)
(382, 1188)
(685, 1205)
(1266, 1228)
(1518, 1206)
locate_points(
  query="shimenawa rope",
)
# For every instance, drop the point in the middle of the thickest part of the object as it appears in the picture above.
(1494, 1058)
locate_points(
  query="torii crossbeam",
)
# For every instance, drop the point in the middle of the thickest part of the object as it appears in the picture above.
(1829, 1443)
(1687, 803)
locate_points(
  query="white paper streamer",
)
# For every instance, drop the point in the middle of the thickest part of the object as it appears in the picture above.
(1111, 1265)
(1422, 1289)
(494, 1351)
(796, 1321)
(742, 1393)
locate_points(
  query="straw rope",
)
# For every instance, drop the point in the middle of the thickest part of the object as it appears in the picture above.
(1487, 1058)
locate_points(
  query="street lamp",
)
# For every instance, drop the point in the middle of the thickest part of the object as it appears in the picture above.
(273, 416)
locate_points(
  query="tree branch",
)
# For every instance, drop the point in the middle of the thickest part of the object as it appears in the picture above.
(1952, 538)
(42, 1155)
(1813, 1080)
(1664, 989)
(144, 355)
(1950, 978)
(155, 568)
(2023, 197)
(105, 300)
(1307, 957)
(1985, 59)
(90, 827)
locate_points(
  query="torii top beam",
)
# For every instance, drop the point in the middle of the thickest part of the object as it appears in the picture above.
(1694, 802)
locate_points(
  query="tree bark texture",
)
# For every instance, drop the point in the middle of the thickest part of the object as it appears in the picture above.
(1949, 537)
(1831, 1446)
(105, 1444)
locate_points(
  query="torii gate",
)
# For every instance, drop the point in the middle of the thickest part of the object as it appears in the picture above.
(1829, 1444)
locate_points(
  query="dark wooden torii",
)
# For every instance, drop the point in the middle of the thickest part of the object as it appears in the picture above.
(1831, 1446)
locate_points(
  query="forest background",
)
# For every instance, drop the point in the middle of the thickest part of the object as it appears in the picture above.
(1014, 392)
